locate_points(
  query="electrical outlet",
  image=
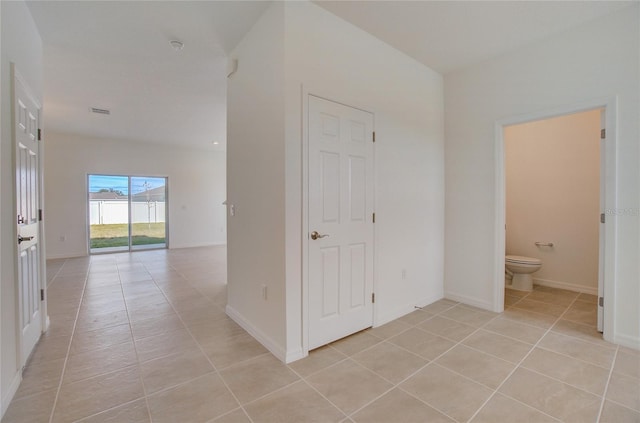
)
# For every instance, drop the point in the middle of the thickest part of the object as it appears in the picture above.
(404, 274)
(264, 292)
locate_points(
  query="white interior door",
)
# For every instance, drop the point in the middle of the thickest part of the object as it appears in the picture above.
(26, 124)
(340, 221)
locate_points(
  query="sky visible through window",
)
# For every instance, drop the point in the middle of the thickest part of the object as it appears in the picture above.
(121, 183)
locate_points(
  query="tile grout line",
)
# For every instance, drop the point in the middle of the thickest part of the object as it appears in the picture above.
(520, 364)
(215, 369)
(73, 332)
(606, 386)
(428, 363)
(135, 348)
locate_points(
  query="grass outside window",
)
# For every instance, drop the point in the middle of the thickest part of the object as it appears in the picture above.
(116, 235)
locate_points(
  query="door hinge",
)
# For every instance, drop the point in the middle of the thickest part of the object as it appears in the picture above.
(602, 219)
(374, 136)
(42, 295)
(374, 218)
(373, 297)
(39, 134)
(603, 133)
(40, 215)
(601, 301)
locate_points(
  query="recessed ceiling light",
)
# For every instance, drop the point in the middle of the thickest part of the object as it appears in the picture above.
(176, 45)
(216, 143)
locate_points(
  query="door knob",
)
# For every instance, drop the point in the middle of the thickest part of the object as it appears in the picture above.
(315, 235)
(24, 238)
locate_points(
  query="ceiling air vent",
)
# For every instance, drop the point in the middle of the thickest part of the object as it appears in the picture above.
(100, 111)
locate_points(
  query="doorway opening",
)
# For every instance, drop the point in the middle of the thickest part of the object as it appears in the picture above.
(127, 213)
(555, 179)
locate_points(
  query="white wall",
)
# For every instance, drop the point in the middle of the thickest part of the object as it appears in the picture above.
(196, 188)
(255, 182)
(338, 61)
(333, 59)
(596, 60)
(21, 44)
(552, 172)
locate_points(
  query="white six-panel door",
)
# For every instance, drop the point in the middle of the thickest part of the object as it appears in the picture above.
(340, 219)
(26, 124)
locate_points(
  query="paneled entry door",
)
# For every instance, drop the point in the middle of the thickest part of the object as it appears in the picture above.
(26, 118)
(340, 220)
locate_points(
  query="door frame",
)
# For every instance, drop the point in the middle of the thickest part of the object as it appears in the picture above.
(15, 76)
(306, 92)
(607, 238)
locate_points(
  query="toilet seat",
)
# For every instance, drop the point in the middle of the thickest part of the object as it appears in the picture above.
(523, 260)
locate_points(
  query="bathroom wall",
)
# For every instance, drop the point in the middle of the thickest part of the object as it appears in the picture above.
(552, 170)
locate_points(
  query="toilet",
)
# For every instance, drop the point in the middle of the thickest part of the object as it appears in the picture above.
(520, 269)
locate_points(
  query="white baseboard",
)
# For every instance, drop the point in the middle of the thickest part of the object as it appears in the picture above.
(260, 336)
(173, 246)
(566, 285)
(65, 255)
(396, 313)
(475, 302)
(627, 341)
(11, 391)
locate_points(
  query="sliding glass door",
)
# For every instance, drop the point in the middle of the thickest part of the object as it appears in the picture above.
(127, 213)
(148, 207)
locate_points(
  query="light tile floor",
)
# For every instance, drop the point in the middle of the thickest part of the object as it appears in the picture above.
(143, 337)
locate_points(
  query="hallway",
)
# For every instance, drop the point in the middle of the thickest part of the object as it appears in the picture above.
(143, 337)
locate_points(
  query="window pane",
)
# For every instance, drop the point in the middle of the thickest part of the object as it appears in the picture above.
(108, 213)
(148, 206)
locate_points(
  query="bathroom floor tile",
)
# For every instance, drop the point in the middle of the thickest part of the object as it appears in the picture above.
(540, 307)
(581, 312)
